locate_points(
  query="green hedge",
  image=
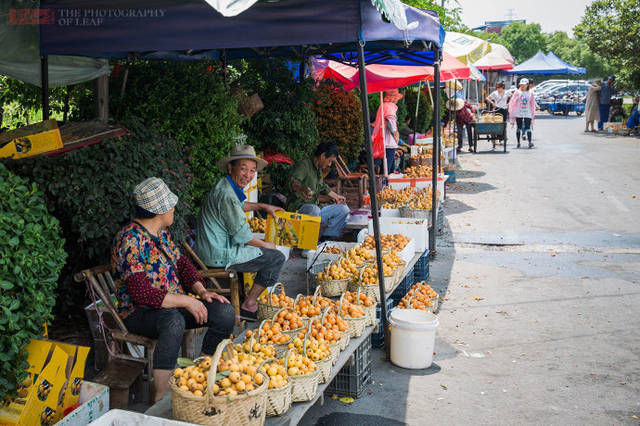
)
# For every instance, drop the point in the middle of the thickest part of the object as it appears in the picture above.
(31, 258)
(90, 191)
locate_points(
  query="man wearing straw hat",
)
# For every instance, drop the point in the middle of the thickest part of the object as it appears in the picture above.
(224, 238)
(463, 119)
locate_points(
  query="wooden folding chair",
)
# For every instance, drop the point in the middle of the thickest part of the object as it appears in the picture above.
(350, 183)
(210, 275)
(123, 368)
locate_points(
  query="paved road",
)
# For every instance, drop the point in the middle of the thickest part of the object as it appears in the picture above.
(540, 268)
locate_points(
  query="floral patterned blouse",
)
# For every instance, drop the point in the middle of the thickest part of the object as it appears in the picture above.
(142, 273)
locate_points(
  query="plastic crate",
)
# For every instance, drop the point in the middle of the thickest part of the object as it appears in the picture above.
(350, 384)
(421, 268)
(403, 287)
(377, 336)
(355, 375)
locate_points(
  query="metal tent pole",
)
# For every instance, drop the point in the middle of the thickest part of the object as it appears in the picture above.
(372, 190)
(44, 78)
(415, 122)
(435, 157)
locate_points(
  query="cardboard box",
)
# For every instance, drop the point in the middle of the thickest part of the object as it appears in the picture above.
(122, 417)
(30, 140)
(293, 230)
(94, 402)
(55, 372)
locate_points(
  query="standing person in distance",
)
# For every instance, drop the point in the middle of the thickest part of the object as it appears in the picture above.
(498, 100)
(605, 100)
(463, 116)
(591, 109)
(522, 110)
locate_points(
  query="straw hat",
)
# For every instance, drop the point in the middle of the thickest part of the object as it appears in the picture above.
(242, 152)
(154, 196)
(392, 95)
(455, 104)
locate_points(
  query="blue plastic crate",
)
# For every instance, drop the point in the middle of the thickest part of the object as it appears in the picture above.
(352, 379)
(403, 287)
(421, 269)
(377, 337)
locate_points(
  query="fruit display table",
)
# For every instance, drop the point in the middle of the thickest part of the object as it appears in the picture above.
(163, 407)
(490, 132)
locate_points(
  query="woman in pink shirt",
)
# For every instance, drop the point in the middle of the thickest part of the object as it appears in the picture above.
(522, 109)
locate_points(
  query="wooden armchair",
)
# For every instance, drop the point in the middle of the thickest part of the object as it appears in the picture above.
(210, 275)
(350, 184)
(123, 367)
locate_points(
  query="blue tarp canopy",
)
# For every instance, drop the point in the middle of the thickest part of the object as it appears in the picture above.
(545, 64)
(172, 29)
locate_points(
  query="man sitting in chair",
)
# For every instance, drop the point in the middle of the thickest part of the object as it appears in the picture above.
(309, 191)
(224, 238)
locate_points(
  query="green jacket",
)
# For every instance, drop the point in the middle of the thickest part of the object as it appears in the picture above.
(223, 231)
(306, 173)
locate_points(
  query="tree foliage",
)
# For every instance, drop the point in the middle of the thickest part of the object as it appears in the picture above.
(31, 257)
(522, 40)
(449, 15)
(611, 29)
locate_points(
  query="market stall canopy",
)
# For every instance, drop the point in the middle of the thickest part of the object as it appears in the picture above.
(384, 77)
(498, 58)
(552, 58)
(20, 53)
(467, 49)
(285, 28)
(541, 64)
(476, 74)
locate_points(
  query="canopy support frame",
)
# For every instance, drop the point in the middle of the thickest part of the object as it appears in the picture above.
(372, 190)
(44, 78)
(435, 157)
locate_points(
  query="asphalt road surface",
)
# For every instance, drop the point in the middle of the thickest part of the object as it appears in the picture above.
(539, 266)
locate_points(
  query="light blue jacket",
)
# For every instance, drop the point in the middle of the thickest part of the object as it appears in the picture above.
(223, 231)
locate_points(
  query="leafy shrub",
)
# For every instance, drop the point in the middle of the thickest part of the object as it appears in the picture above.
(90, 191)
(287, 124)
(425, 111)
(31, 257)
(339, 116)
(189, 102)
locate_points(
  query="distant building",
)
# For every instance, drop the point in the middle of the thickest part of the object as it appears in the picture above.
(497, 26)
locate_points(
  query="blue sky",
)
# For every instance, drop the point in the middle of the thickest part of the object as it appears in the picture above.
(552, 15)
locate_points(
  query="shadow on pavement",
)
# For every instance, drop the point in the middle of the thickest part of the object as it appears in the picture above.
(469, 187)
(455, 207)
(344, 418)
(468, 174)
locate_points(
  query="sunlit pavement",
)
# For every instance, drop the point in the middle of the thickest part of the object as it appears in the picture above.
(539, 266)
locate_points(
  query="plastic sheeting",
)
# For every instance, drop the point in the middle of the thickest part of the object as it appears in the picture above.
(385, 77)
(467, 49)
(20, 53)
(498, 58)
(541, 64)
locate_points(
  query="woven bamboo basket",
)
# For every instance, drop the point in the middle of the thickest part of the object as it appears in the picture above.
(332, 288)
(344, 341)
(324, 366)
(278, 400)
(369, 311)
(280, 348)
(356, 325)
(305, 320)
(293, 333)
(433, 306)
(303, 388)
(371, 290)
(334, 347)
(266, 310)
(247, 409)
(399, 272)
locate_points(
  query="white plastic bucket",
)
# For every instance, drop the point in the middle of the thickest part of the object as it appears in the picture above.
(413, 336)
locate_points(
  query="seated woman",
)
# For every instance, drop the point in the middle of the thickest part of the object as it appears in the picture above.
(153, 278)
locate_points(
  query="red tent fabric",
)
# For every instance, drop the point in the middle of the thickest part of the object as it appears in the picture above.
(385, 77)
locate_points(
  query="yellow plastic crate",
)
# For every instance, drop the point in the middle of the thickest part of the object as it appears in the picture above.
(30, 140)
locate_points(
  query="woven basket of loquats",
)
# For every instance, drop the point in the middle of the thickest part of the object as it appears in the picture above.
(224, 401)
(270, 303)
(320, 354)
(333, 280)
(279, 388)
(269, 333)
(290, 323)
(354, 315)
(306, 309)
(304, 379)
(367, 303)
